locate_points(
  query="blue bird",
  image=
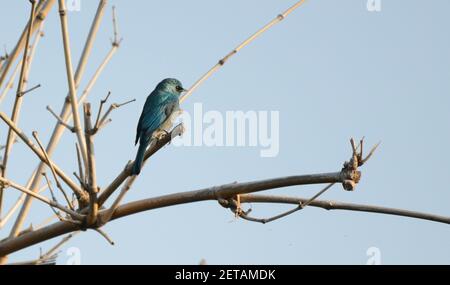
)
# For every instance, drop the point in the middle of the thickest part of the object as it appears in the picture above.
(157, 115)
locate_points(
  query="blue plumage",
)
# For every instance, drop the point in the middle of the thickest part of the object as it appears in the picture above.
(156, 115)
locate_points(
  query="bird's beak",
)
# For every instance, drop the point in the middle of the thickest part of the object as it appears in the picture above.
(184, 90)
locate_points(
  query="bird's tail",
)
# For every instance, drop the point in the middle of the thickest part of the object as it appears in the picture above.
(139, 157)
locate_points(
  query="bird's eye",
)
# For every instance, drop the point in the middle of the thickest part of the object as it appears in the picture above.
(179, 88)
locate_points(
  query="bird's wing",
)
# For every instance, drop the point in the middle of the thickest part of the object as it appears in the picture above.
(138, 129)
(152, 100)
(153, 119)
(171, 106)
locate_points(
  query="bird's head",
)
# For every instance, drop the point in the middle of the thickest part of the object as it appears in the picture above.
(171, 85)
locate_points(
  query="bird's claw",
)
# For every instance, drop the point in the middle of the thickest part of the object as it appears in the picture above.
(160, 134)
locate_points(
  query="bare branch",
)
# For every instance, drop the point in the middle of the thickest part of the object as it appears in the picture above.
(29, 90)
(110, 212)
(71, 81)
(80, 167)
(109, 120)
(3, 146)
(102, 102)
(346, 176)
(65, 113)
(53, 250)
(116, 40)
(336, 205)
(6, 182)
(105, 235)
(24, 70)
(91, 171)
(52, 168)
(10, 83)
(80, 193)
(46, 222)
(301, 206)
(52, 193)
(49, 261)
(48, 258)
(42, 9)
(97, 73)
(245, 216)
(364, 160)
(104, 120)
(80, 180)
(153, 148)
(17, 204)
(57, 213)
(221, 62)
(51, 255)
(60, 120)
(317, 195)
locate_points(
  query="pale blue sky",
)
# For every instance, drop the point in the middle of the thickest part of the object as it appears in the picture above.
(332, 69)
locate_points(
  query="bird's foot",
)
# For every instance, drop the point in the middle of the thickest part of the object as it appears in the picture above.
(161, 134)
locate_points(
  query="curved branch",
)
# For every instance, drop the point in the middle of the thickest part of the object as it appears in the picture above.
(336, 205)
(61, 228)
(126, 172)
(43, 8)
(219, 193)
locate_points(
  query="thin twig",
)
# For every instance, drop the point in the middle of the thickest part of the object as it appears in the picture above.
(42, 9)
(52, 250)
(116, 40)
(60, 120)
(80, 193)
(104, 118)
(10, 83)
(80, 166)
(337, 205)
(65, 112)
(102, 102)
(221, 62)
(17, 204)
(29, 90)
(25, 64)
(317, 195)
(364, 160)
(110, 212)
(72, 213)
(361, 148)
(104, 124)
(80, 180)
(48, 258)
(52, 193)
(105, 235)
(213, 193)
(91, 171)
(3, 146)
(46, 222)
(71, 81)
(57, 213)
(52, 168)
(301, 206)
(97, 73)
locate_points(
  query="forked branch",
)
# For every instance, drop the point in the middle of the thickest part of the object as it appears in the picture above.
(78, 191)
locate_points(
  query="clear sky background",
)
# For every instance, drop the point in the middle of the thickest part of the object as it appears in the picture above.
(332, 69)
